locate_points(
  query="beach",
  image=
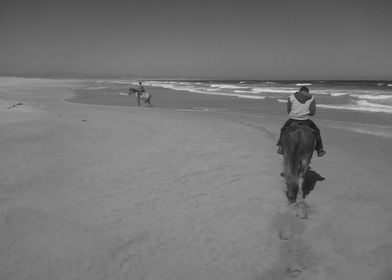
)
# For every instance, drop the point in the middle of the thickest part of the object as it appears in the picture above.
(94, 187)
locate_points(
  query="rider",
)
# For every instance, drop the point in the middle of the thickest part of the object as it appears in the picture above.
(300, 106)
(139, 92)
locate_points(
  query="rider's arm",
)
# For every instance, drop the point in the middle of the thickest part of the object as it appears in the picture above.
(288, 106)
(312, 108)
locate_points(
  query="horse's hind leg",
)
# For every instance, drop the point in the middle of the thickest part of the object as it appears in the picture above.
(304, 168)
(292, 190)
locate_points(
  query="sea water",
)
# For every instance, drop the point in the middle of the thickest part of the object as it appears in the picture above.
(366, 105)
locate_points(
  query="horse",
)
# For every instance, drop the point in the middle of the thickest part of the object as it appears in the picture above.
(144, 95)
(298, 143)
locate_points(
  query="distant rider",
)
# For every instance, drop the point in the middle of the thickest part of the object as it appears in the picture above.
(139, 92)
(300, 106)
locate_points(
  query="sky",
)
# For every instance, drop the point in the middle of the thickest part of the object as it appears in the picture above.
(275, 39)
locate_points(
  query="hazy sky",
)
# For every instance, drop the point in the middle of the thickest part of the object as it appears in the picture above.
(275, 39)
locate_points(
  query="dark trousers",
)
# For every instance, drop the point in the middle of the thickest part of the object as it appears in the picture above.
(138, 94)
(311, 124)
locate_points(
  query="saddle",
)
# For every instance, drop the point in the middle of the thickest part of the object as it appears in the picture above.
(301, 123)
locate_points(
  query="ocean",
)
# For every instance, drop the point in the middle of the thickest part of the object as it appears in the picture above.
(365, 96)
(365, 106)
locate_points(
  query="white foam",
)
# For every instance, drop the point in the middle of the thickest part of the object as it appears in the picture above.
(256, 90)
(205, 109)
(361, 105)
(373, 105)
(283, 90)
(225, 86)
(95, 88)
(328, 92)
(251, 96)
(303, 84)
(339, 93)
(121, 82)
(372, 97)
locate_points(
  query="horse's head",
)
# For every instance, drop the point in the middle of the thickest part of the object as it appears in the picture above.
(132, 91)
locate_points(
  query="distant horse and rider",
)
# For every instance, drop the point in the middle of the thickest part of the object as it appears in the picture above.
(298, 139)
(141, 94)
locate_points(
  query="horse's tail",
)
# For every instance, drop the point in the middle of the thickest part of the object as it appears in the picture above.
(298, 155)
(295, 151)
(298, 145)
(293, 163)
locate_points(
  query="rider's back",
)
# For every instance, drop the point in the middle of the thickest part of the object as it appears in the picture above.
(300, 106)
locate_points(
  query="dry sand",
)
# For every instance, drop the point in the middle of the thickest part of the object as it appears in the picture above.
(106, 192)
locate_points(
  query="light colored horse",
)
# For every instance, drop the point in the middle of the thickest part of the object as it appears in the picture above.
(140, 95)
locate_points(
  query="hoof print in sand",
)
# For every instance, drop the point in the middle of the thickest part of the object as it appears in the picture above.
(293, 272)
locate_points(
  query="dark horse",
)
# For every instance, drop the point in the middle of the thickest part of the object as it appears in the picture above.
(298, 143)
(140, 95)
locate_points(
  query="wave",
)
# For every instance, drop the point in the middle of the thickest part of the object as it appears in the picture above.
(95, 88)
(256, 90)
(303, 84)
(360, 97)
(225, 86)
(331, 92)
(121, 82)
(356, 93)
(222, 89)
(339, 94)
(361, 105)
(372, 97)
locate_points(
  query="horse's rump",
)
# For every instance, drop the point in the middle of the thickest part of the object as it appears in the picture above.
(145, 95)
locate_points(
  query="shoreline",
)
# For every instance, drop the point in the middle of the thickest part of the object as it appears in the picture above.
(371, 123)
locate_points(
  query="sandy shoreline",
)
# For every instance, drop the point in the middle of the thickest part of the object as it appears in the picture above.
(113, 192)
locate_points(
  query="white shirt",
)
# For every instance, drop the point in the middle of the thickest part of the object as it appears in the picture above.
(299, 111)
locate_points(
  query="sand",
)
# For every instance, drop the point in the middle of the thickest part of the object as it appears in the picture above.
(121, 192)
